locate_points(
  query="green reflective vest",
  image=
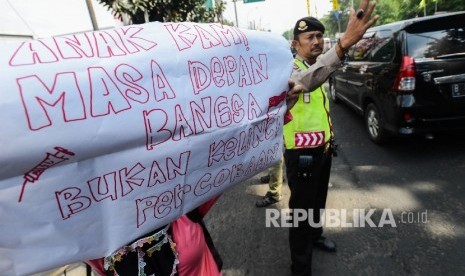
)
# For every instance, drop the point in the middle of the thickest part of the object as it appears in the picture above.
(310, 126)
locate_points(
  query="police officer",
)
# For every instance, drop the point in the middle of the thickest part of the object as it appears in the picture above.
(275, 184)
(308, 135)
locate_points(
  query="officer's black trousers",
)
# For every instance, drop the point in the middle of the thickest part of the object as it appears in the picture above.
(309, 187)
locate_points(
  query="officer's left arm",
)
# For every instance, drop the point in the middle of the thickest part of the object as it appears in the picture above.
(293, 94)
(291, 99)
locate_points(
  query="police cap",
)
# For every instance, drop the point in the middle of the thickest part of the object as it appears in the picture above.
(308, 24)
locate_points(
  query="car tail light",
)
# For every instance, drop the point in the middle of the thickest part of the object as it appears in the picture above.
(407, 116)
(406, 77)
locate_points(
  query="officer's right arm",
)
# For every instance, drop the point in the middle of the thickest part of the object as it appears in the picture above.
(318, 72)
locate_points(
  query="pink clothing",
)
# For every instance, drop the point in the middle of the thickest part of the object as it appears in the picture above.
(195, 258)
(97, 266)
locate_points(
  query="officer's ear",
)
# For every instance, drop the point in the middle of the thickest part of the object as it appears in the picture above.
(294, 43)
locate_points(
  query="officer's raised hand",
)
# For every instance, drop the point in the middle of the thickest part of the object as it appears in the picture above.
(359, 22)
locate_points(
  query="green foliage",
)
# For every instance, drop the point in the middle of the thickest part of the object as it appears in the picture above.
(388, 11)
(412, 8)
(288, 35)
(391, 11)
(165, 10)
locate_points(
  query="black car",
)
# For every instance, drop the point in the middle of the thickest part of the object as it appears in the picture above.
(407, 77)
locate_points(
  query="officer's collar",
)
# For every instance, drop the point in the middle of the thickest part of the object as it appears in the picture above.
(301, 59)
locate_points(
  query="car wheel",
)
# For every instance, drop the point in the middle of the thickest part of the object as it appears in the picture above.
(374, 124)
(332, 92)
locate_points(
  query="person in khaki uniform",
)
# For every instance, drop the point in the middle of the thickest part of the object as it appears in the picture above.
(275, 179)
(308, 135)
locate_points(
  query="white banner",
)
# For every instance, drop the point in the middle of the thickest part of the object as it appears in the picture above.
(108, 135)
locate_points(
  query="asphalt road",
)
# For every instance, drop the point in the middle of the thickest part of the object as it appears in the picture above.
(420, 182)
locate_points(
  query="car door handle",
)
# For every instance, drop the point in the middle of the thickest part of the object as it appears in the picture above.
(363, 69)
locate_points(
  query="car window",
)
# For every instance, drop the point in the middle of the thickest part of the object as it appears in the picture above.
(377, 46)
(383, 47)
(430, 44)
(361, 50)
